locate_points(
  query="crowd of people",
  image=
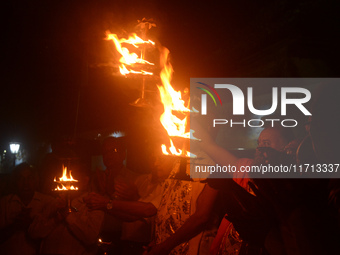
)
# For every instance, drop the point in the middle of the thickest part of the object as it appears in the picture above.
(164, 211)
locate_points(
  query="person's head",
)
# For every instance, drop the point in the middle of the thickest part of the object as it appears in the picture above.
(114, 152)
(271, 142)
(25, 180)
(82, 174)
(276, 138)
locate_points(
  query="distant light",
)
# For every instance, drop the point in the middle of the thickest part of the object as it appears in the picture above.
(14, 147)
(117, 134)
(240, 149)
(5, 151)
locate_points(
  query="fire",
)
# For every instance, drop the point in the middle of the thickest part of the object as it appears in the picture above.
(131, 58)
(176, 111)
(65, 181)
(64, 188)
(177, 152)
(175, 125)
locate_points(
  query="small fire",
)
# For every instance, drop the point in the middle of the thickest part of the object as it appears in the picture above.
(175, 125)
(65, 182)
(131, 58)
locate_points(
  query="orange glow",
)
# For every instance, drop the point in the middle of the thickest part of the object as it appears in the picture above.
(175, 118)
(175, 125)
(173, 150)
(65, 181)
(128, 58)
(64, 187)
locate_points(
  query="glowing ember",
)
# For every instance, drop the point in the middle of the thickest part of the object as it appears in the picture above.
(130, 58)
(65, 182)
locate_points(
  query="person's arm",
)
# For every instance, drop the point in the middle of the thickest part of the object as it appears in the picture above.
(132, 210)
(125, 210)
(193, 226)
(218, 154)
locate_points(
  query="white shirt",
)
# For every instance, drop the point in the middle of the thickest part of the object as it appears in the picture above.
(150, 192)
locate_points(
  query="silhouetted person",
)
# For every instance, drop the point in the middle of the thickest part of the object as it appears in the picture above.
(137, 216)
(74, 232)
(116, 181)
(272, 143)
(20, 211)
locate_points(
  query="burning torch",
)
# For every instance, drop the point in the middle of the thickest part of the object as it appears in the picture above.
(66, 185)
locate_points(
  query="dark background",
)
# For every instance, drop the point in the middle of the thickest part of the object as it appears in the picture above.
(52, 83)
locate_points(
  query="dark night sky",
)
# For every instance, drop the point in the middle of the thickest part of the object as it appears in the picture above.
(47, 46)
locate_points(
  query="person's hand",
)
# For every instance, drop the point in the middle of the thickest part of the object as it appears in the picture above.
(95, 201)
(200, 133)
(126, 191)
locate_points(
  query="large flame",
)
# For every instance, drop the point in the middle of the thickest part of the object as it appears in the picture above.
(175, 116)
(176, 111)
(128, 58)
(65, 181)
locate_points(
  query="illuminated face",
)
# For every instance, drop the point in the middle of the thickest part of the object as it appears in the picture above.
(113, 154)
(271, 137)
